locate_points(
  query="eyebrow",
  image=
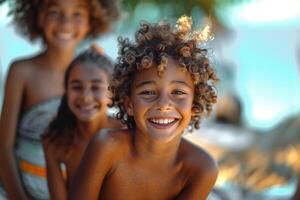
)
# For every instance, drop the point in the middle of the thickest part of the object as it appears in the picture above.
(93, 81)
(182, 82)
(144, 83)
(82, 5)
(78, 5)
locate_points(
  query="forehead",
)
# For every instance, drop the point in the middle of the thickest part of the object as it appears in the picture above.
(87, 71)
(66, 3)
(172, 73)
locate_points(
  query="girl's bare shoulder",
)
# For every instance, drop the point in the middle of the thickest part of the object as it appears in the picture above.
(26, 61)
(24, 66)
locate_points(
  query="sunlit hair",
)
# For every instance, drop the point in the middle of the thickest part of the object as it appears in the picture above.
(153, 45)
(26, 13)
(62, 128)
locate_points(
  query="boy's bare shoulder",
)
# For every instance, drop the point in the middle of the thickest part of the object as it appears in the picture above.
(199, 169)
(115, 123)
(198, 160)
(113, 136)
(111, 139)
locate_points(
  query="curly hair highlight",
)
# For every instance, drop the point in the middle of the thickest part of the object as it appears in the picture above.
(153, 45)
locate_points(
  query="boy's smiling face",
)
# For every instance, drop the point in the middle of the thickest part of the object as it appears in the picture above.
(161, 105)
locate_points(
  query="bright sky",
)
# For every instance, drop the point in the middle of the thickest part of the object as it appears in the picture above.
(264, 49)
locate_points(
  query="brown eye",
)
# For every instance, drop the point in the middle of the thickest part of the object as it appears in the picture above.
(76, 87)
(53, 13)
(77, 14)
(95, 88)
(179, 92)
(148, 92)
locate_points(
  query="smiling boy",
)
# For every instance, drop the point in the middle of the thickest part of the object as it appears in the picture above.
(163, 84)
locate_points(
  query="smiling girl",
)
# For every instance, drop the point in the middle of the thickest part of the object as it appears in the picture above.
(81, 114)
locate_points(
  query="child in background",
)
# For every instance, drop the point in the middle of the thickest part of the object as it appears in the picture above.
(82, 112)
(163, 84)
(34, 85)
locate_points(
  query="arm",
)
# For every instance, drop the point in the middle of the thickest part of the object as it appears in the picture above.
(8, 123)
(56, 182)
(201, 180)
(94, 166)
(199, 188)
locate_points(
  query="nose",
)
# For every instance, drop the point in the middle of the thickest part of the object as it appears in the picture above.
(164, 103)
(86, 95)
(65, 20)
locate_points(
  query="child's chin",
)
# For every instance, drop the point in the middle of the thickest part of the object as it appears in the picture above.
(162, 135)
(89, 118)
(163, 138)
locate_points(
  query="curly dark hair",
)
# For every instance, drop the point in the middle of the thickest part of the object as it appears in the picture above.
(25, 16)
(63, 127)
(154, 43)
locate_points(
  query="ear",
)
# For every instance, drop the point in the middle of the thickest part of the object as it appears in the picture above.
(128, 106)
(194, 113)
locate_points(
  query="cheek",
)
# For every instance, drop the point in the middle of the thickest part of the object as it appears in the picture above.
(103, 96)
(185, 103)
(71, 97)
(49, 21)
(140, 104)
(84, 25)
(186, 106)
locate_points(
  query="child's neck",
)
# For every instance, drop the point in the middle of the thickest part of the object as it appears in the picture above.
(157, 150)
(57, 59)
(88, 129)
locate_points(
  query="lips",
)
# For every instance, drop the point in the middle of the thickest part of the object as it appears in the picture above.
(87, 108)
(64, 36)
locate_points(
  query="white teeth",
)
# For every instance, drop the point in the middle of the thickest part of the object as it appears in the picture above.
(87, 107)
(162, 121)
(64, 36)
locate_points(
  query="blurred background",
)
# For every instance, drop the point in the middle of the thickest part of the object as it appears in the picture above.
(254, 132)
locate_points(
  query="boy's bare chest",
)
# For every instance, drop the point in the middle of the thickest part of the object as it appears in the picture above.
(138, 182)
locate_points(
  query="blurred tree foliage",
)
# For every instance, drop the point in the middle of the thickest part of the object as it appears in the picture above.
(185, 6)
(176, 8)
(180, 7)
